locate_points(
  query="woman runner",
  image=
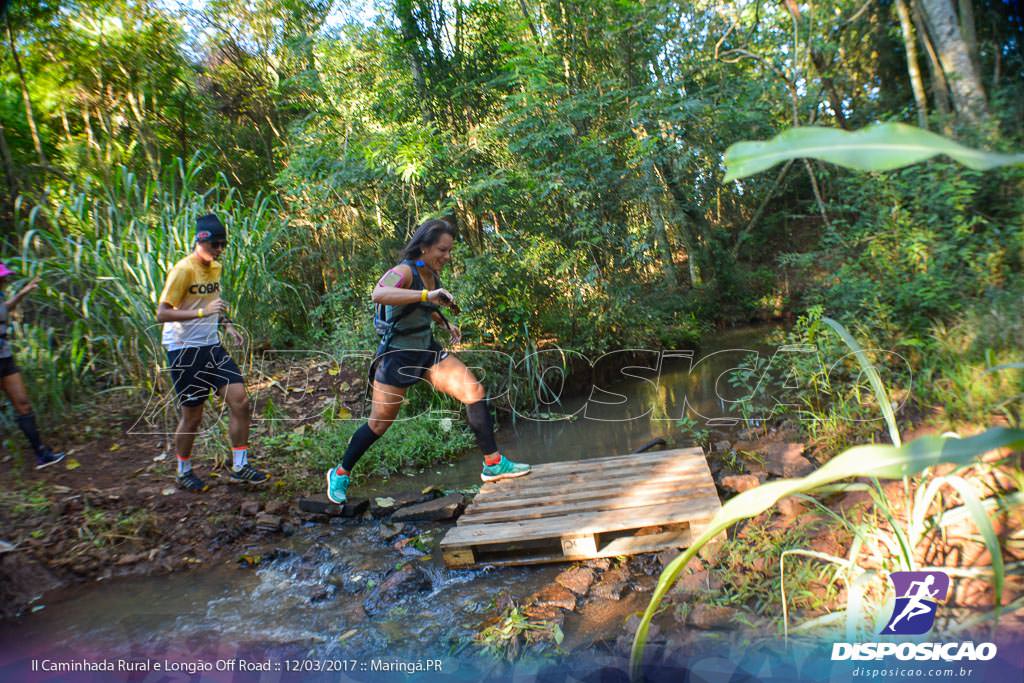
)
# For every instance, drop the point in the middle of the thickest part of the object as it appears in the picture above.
(412, 294)
(10, 376)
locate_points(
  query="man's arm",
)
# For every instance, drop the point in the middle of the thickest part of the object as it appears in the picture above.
(13, 302)
(166, 313)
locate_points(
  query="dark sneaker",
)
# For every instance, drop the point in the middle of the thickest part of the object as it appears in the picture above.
(249, 475)
(190, 482)
(46, 457)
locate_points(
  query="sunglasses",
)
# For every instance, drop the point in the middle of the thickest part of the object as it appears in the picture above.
(218, 244)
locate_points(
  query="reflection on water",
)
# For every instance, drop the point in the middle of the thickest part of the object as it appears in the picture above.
(320, 592)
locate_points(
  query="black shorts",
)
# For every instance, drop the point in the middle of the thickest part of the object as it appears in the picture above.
(198, 370)
(8, 366)
(405, 367)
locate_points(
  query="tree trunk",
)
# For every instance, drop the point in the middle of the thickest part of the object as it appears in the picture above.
(913, 67)
(411, 38)
(659, 233)
(36, 141)
(529, 21)
(940, 91)
(968, 32)
(5, 156)
(964, 80)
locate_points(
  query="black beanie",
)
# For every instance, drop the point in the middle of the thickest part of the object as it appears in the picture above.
(209, 228)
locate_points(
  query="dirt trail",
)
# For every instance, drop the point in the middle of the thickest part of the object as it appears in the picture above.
(112, 508)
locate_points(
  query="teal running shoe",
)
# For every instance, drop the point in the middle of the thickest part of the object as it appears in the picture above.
(505, 469)
(337, 486)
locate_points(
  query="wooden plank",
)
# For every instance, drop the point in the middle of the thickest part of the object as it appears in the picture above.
(644, 461)
(537, 495)
(579, 546)
(458, 557)
(545, 473)
(627, 545)
(598, 468)
(582, 523)
(581, 494)
(620, 501)
(619, 460)
(671, 471)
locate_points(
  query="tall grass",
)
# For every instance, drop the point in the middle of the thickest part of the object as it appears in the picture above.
(103, 251)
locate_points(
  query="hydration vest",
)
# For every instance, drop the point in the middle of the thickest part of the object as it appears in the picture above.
(388, 327)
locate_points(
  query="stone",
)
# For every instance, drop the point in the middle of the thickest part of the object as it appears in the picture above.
(855, 500)
(666, 556)
(722, 446)
(543, 613)
(601, 563)
(578, 579)
(322, 505)
(645, 584)
(382, 506)
(554, 596)
(354, 507)
(319, 505)
(250, 508)
(712, 617)
(612, 585)
(786, 459)
(791, 507)
(267, 522)
(403, 580)
(447, 507)
(633, 623)
(740, 482)
(390, 531)
(275, 507)
(692, 583)
(538, 614)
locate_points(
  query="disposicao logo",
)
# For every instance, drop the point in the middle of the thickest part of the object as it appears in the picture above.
(918, 595)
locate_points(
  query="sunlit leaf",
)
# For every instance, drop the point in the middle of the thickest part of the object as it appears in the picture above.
(881, 147)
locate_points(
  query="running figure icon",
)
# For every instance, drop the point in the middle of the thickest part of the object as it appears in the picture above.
(916, 595)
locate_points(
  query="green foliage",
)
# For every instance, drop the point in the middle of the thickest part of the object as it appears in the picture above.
(413, 443)
(513, 630)
(691, 429)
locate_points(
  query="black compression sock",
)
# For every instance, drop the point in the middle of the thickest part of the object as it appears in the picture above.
(357, 445)
(479, 418)
(27, 423)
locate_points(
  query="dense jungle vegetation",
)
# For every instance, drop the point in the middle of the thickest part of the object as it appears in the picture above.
(577, 146)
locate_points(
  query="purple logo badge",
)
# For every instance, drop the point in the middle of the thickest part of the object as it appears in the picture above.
(917, 595)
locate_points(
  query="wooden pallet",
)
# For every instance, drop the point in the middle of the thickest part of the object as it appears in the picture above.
(602, 507)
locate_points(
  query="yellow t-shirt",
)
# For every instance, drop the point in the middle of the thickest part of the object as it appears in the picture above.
(191, 285)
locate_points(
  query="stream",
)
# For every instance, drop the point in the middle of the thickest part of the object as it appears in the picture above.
(313, 596)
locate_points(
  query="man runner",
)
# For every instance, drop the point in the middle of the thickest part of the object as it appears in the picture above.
(191, 309)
